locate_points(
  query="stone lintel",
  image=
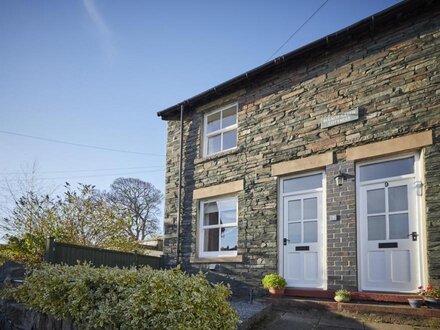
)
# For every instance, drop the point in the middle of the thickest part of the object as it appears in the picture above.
(303, 164)
(218, 190)
(213, 260)
(391, 146)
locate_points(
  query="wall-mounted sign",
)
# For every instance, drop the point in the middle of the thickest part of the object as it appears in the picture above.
(340, 118)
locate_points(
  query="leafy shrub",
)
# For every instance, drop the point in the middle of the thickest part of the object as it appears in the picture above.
(81, 217)
(26, 249)
(112, 298)
(274, 281)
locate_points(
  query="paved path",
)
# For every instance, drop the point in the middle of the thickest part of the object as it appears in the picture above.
(322, 320)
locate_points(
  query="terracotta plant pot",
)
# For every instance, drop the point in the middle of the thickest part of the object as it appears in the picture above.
(432, 302)
(415, 303)
(276, 292)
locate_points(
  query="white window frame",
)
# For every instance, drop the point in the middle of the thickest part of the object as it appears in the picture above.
(202, 228)
(220, 131)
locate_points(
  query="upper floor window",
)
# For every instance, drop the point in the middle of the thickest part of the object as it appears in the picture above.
(220, 130)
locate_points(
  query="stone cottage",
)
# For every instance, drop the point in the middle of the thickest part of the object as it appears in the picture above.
(322, 165)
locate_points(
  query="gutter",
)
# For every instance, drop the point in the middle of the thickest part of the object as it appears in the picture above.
(179, 192)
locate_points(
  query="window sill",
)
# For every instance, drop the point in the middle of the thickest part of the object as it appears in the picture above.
(215, 260)
(217, 155)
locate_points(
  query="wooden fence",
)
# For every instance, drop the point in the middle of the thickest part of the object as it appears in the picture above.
(70, 254)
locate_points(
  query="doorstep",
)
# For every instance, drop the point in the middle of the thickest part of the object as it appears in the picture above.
(288, 303)
(356, 296)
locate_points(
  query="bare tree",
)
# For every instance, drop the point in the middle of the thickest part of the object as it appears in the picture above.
(14, 190)
(141, 201)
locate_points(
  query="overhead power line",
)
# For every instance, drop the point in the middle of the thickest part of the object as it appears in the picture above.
(297, 30)
(93, 176)
(91, 170)
(80, 144)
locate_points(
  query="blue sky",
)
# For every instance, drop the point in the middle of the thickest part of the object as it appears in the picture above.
(96, 72)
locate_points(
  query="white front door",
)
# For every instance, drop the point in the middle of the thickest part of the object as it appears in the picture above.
(389, 228)
(303, 232)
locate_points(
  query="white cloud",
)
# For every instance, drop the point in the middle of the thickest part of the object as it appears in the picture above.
(102, 27)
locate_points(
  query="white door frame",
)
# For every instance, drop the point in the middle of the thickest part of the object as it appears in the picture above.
(419, 213)
(280, 216)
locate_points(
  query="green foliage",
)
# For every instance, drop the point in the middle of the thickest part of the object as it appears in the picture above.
(112, 298)
(81, 217)
(27, 249)
(343, 293)
(430, 291)
(274, 281)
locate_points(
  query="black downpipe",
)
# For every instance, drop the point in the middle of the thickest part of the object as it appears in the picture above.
(179, 193)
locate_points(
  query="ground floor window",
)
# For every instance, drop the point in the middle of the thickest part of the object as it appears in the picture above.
(218, 234)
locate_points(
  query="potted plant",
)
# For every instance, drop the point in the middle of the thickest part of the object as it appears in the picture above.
(416, 302)
(431, 295)
(342, 296)
(275, 283)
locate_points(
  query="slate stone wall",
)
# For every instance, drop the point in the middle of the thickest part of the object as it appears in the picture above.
(432, 199)
(341, 233)
(14, 316)
(393, 77)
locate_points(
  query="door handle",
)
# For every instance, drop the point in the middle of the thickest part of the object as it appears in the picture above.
(285, 240)
(414, 235)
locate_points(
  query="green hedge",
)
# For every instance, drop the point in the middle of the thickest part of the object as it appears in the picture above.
(112, 298)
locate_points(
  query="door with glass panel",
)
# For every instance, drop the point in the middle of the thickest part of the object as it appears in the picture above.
(303, 231)
(389, 229)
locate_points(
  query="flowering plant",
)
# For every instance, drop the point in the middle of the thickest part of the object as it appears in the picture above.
(430, 291)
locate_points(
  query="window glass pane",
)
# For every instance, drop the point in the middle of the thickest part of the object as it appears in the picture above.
(310, 232)
(376, 228)
(303, 183)
(230, 139)
(210, 211)
(311, 208)
(214, 144)
(294, 210)
(399, 226)
(213, 122)
(376, 201)
(229, 117)
(294, 232)
(211, 241)
(228, 204)
(229, 239)
(398, 198)
(228, 211)
(387, 169)
(210, 219)
(227, 217)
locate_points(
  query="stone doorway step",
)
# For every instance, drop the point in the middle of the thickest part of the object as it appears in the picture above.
(356, 296)
(365, 311)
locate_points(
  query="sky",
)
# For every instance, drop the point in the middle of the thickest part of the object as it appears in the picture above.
(95, 72)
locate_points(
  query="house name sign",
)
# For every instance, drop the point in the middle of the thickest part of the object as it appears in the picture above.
(340, 118)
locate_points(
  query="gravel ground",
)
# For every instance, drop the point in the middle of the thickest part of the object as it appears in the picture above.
(250, 313)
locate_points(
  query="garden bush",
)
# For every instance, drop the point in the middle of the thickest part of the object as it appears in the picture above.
(112, 298)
